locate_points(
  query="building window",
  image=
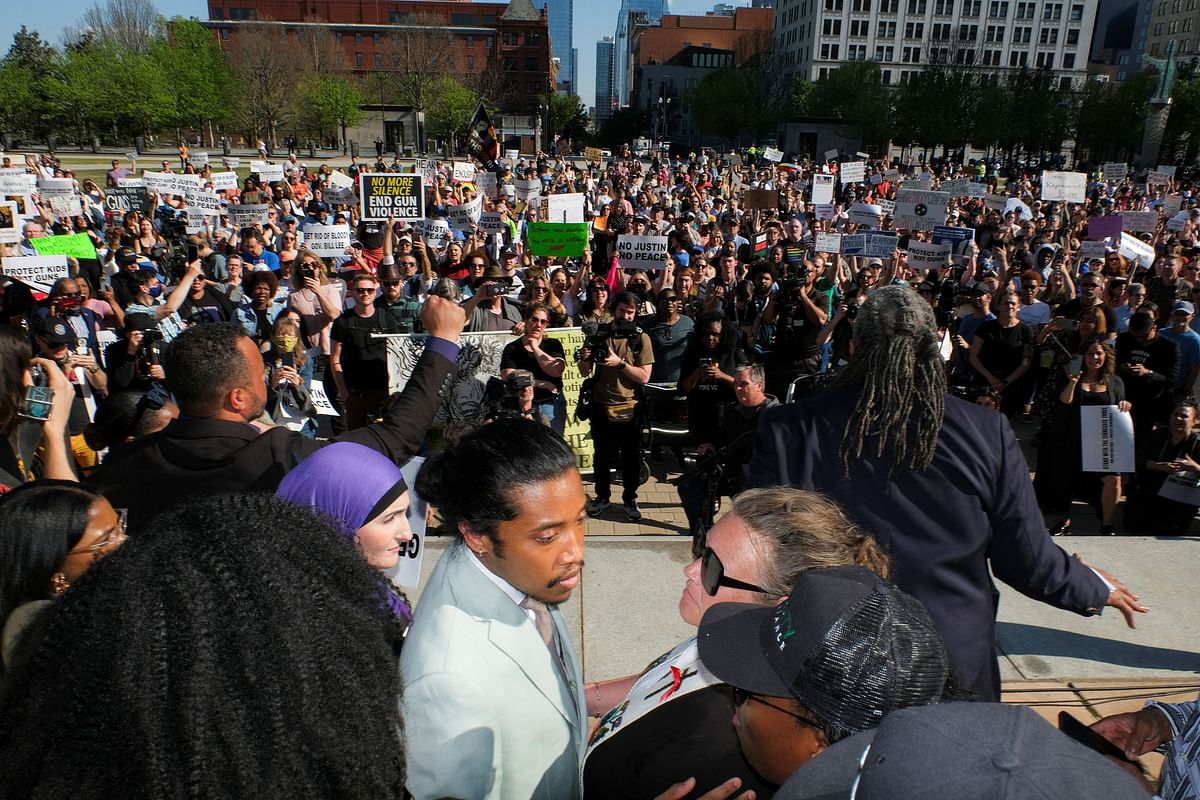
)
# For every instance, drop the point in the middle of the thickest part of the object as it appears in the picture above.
(470, 62)
(831, 27)
(939, 30)
(1158, 29)
(491, 42)
(225, 33)
(1048, 36)
(1045, 60)
(470, 40)
(916, 6)
(358, 59)
(859, 27)
(991, 58)
(861, 6)
(887, 30)
(378, 60)
(1052, 11)
(887, 77)
(998, 8)
(1021, 35)
(242, 13)
(341, 59)
(376, 38)
(971, 8)
(833, 5)
(885, 53)
(995, 33)
(829, 52)
(856, 52)
(914, 30)
(968, 33)
(505, 38)
(911, 55)
(1069, 61)
(889, 6)
(358, 38)
(1073, 37)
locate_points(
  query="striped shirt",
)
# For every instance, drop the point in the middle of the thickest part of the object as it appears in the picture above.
(1180, 779)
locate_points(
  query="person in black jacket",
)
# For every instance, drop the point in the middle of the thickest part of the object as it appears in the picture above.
(135, 360)
(216, 374)
(1148, 364)
(942, 483)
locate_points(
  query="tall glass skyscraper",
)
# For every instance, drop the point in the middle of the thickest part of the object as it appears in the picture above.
(605, 91)
(562, 25)
(623, 71)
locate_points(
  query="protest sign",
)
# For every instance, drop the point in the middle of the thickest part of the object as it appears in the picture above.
(231, 162)
(77, 245)
(954, 238)
(828, 243)
(964, 187)
(341, 189)
(920, 210)
(224, 181)
(195, 219)
(1157, 178)
(1135, 249)
(1068, 186)
(407, 571)
(492, 222)
(171, 183)
(996, 202)
(771, 154)
(512, 155)
(557, 238)
(463, 217)
(24, 202)
(10, 223)
(564, 207)
(825, 211)
(1104, 227)
(1023, 211)
(854, 244)
(881, 244)
(865, 214)
(267, 172)
(1172, 203)
(760, 199)
(891, 174)
(1114, 170)
(852, 172)
(427, 169)
(831, 155)
(527, 189)
(122, 199)
(198, 159)
(248, 215)
(1139, 220)
(822, 193)
(38, 272)
(435, 232)
(923, 255)
(1106, 439)
(59, 194)
(593, 154)
(1089, 250)
(462, 172)
(1177, 222)
(53, 186)
(209, 202)
(134, 182)
(641, 252)
(388, 195)
(886, 207)
(876, 180)
(327, 240)
(13, 184)
(486, 183)
(1182, 487)
(1167, 170)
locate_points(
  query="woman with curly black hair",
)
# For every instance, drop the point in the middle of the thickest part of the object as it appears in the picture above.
(236, 649)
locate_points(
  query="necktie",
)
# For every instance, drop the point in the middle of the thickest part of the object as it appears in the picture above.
(542, 621)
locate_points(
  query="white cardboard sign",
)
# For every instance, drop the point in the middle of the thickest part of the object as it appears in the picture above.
(1106, 436)
(642, 252)
(1068, 186)
(327, 241)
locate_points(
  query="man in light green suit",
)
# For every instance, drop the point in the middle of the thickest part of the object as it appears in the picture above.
(493, 699)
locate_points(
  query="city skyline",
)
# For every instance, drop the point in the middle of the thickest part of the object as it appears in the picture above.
(593, 21)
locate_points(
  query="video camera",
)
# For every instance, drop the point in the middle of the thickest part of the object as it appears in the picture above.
(150, 352)
(598, 337)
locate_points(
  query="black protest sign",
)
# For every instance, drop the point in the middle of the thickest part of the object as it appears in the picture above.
(389, 195)
(121, 199)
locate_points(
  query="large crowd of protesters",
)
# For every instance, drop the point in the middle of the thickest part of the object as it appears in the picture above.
(163, 390)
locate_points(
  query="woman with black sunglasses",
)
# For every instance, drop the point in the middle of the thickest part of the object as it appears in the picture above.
(671, 722)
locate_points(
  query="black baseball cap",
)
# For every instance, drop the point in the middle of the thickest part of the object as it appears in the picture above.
(55, 330)
(960, 750)
(848, 645)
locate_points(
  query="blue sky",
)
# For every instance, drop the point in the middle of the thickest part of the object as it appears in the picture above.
(594, 19)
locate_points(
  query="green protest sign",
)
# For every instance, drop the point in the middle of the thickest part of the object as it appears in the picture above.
(78, 245)
(557, 238)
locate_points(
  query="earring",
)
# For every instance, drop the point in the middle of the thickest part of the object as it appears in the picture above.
(59, 583)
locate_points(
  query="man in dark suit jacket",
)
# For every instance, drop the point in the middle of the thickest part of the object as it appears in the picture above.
(216, 375)
(949, 495)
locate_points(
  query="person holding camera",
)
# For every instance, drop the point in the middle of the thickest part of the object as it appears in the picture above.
(490, 309)
(798, 313)
(29, 415)
(544, 360)
(135, 360)
(56, 341)
(622, 357)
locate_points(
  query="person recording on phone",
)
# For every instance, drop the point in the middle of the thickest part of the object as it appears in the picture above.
(797, 312)
(490, 309)
(35, 407)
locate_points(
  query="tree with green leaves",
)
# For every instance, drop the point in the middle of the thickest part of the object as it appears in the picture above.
(1112, 117)
(1181, 139)
(330, 103)
(31, 55)
(450, 108)
(719, 106)
(625, 125)
(198, 77)
(855, 94)
(130, 98)
(565, 115)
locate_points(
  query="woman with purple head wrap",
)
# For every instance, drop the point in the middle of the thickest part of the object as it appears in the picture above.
(365, 495)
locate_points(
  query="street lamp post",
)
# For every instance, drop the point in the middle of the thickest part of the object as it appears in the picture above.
(664, 111)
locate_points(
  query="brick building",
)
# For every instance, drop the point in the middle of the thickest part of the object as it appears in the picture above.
(366, 36)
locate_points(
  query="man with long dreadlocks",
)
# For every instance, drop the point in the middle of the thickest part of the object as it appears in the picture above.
(941, 482)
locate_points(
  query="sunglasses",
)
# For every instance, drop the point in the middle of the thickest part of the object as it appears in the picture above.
(712, 576)
(538, 321)
(364, 290)
(740, 696)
